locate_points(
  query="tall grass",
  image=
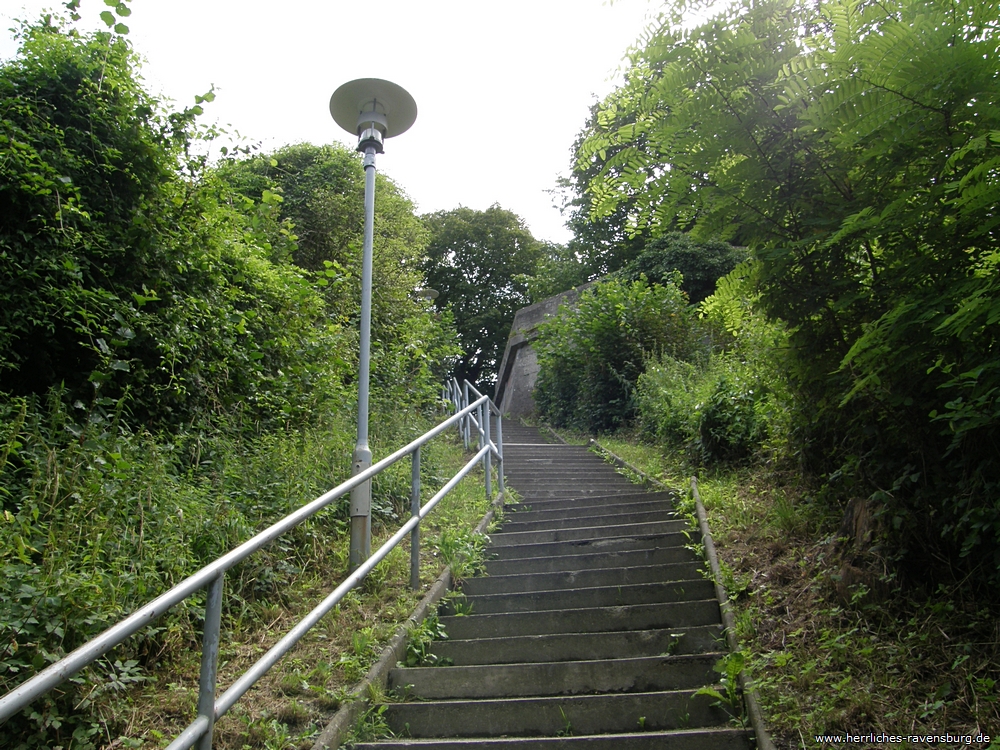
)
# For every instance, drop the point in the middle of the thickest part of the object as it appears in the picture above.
(98, 519)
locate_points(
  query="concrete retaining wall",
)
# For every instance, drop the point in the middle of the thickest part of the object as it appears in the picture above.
(519, 366)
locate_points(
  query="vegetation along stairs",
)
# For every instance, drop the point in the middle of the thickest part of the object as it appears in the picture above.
(594, 628)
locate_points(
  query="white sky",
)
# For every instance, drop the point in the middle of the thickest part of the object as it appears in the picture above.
(502, 87)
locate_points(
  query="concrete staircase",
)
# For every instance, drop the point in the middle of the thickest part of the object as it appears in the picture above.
(593, 629)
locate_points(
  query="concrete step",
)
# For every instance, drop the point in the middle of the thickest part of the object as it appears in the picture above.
(608, 596)
(503, 539)
(637, 675)
(584, 619)
(660, 615)
(576, 474)
(569, 562)
(595, 501)
(574, 487)
(557, 493)
(685, 739)
(554, 716)
(579, 473)
(580, 646)
(625, 517)
(572, 482)
(584, 546)
(520, 454)
(561, 466)
(515, 514)
(599, 577)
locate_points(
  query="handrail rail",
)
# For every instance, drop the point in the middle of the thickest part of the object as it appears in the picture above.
(212, 576)
(459, 396)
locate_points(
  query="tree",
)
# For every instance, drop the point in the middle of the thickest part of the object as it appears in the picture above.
(701, 263)
(319, 196)
(479, 261)
(126, 268)
(559, 268)
(852, 147)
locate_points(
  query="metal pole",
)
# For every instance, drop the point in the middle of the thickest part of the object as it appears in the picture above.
(500, 454)
(468, 419)
(361, 496)
(487, 459)
(210, 659)
(415, 511)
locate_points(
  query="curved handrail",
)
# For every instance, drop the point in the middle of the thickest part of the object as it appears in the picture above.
(212, 577)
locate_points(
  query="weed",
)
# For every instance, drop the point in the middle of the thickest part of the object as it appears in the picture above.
(418, 646)
(567, 729)
(464, 552)
(459, 603)
(372, 726)
(730, 666)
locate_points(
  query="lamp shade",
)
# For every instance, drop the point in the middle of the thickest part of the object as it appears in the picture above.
(395, 107)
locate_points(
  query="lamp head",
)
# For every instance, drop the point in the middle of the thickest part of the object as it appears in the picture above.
(373, 110)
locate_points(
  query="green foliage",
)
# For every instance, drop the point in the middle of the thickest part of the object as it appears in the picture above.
(479, 261)
(601, 243)
(464, 552)
(98, 520)
(559, 268)
(418, 645)
(734, 403)
(701, 264)
(171, 381)
(852, 146)
(669, 393)
(118, 274)
(592, 355)
(730, 667)
(318, 192)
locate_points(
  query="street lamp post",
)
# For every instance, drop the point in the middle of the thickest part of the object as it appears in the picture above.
(373, 110)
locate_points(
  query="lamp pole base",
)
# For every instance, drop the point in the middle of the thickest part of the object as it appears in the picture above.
(361, 510)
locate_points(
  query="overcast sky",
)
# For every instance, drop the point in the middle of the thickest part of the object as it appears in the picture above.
(502, 87)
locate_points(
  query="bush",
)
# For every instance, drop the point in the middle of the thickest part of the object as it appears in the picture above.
(591, 356)
(734, 403)
(668, 395)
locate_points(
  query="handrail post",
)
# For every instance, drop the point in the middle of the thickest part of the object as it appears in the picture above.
(415, 511)
(468, 419)
(210, 658)
(488, 458)
(500, 486)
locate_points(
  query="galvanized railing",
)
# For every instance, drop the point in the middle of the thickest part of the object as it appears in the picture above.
(478, 423)
(471, 417)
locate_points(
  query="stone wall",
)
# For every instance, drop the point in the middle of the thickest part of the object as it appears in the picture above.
(519, 366)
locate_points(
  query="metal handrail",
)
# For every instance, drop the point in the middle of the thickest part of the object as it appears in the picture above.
(212, 577)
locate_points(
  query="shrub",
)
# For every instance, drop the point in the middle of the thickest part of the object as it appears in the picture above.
(591, 356)
(736, 401)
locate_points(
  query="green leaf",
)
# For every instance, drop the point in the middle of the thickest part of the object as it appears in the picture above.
(108, 17)
(122, 10)
(121, 28)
